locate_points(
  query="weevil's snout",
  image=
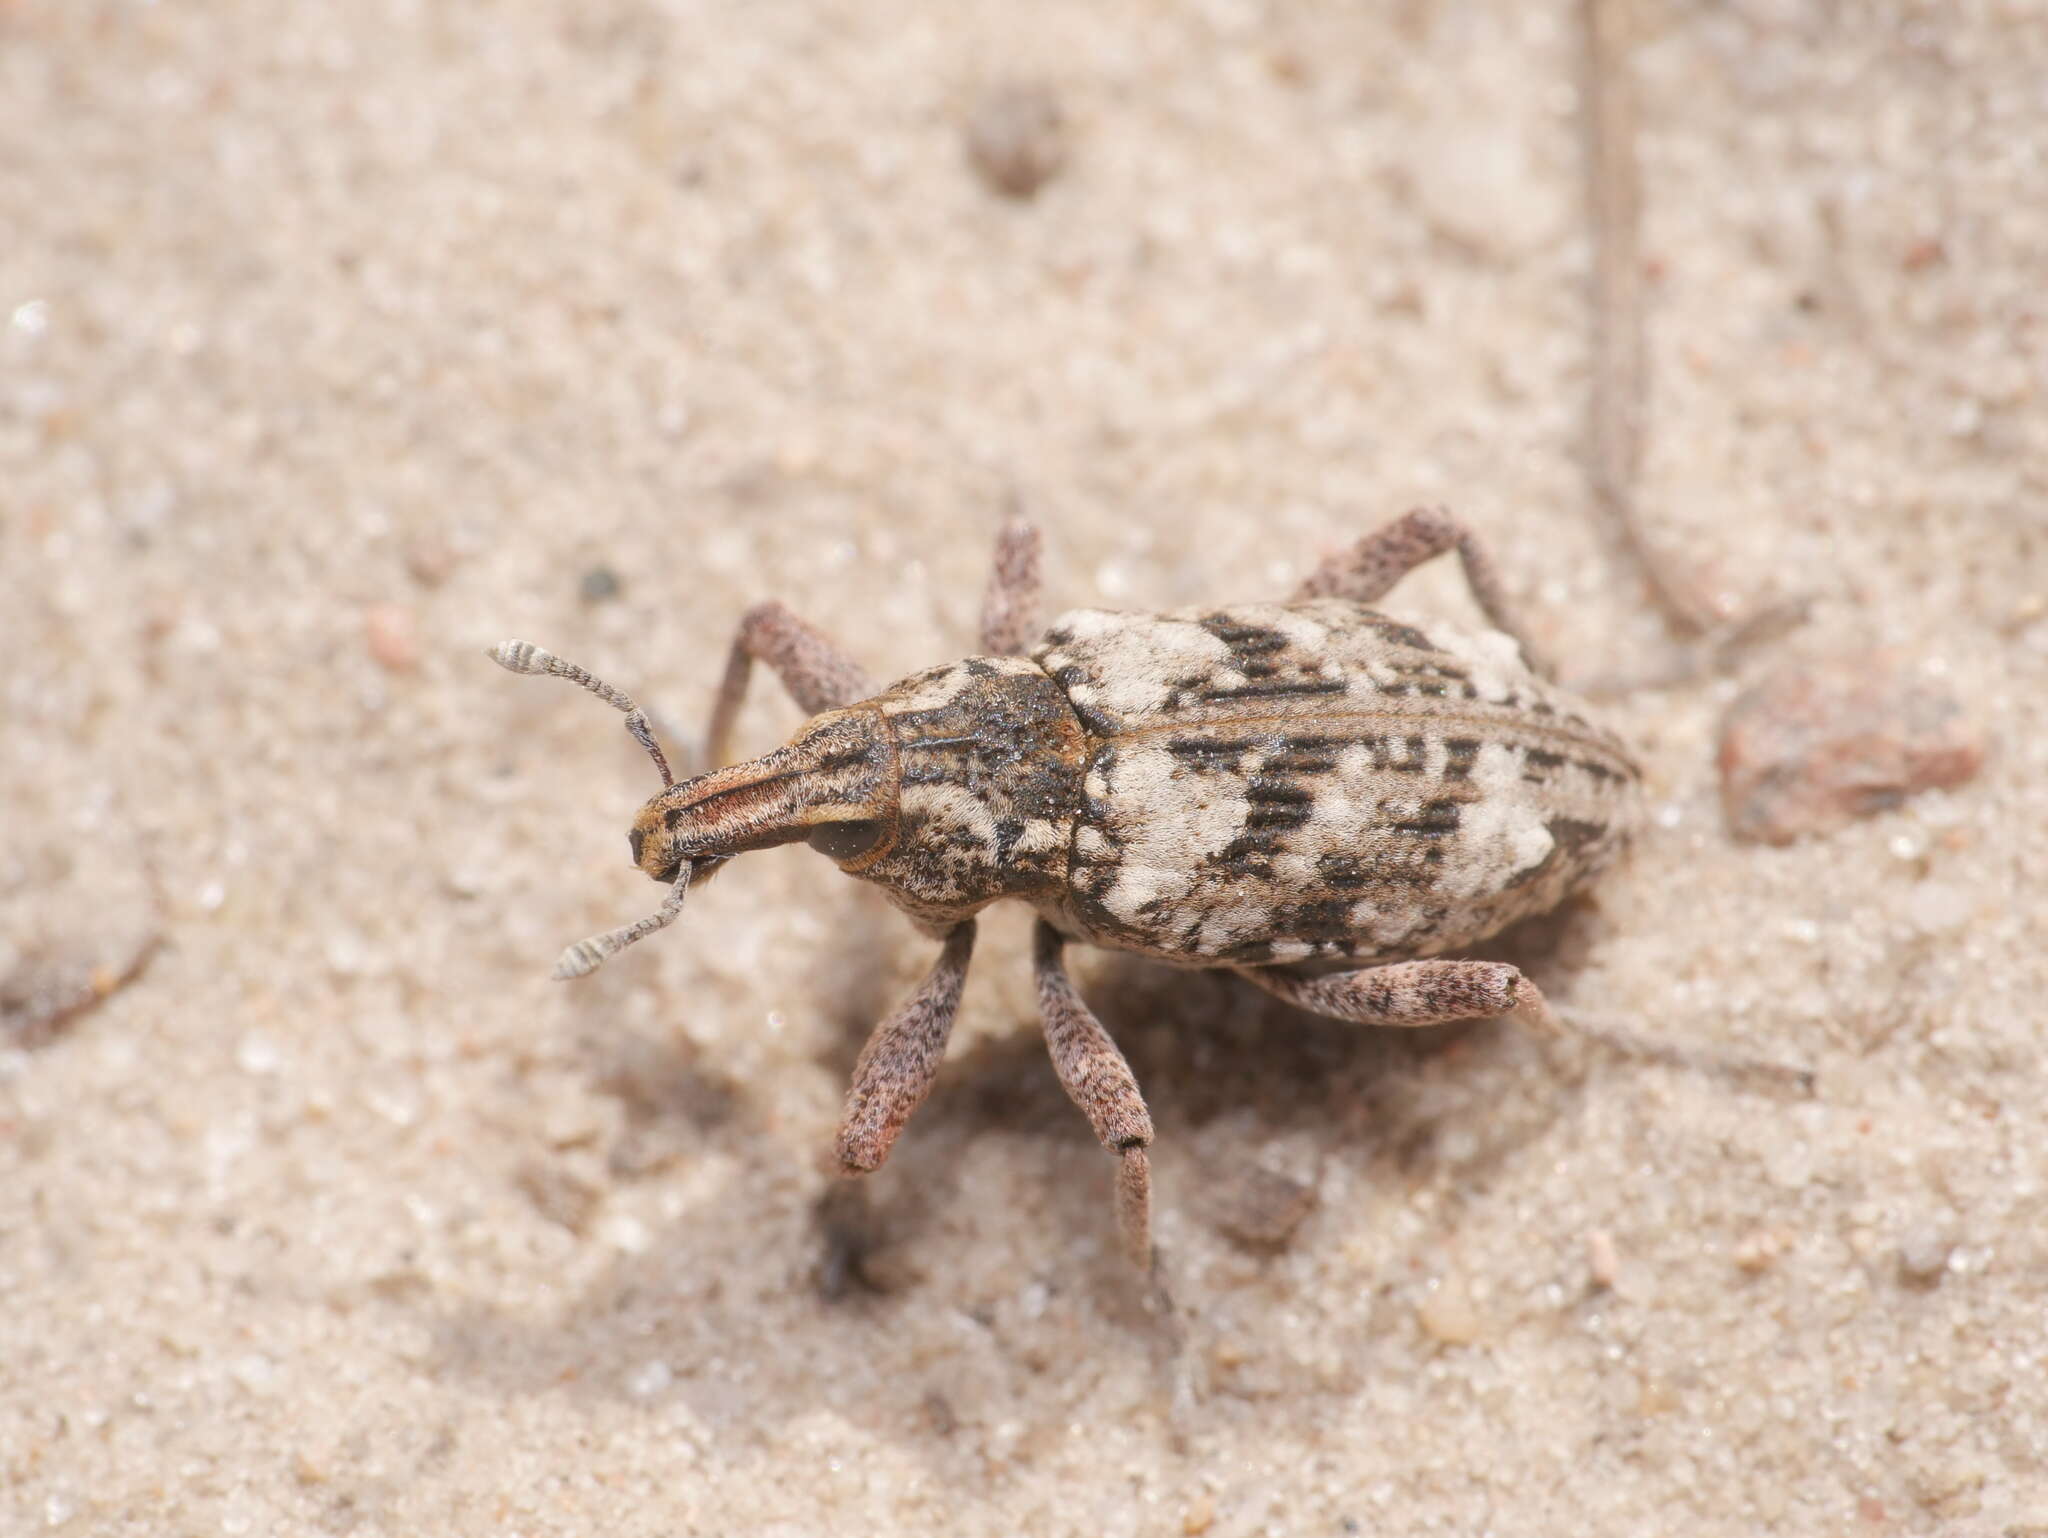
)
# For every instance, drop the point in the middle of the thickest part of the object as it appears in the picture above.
(658, 852)
(831, 786)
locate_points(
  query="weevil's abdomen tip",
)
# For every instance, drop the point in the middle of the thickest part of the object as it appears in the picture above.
(519, 657)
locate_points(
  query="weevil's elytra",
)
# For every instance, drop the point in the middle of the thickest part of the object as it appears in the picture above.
(1315, 795)
(1293, 782)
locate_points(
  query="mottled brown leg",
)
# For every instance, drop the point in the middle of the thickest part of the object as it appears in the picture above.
(817, 674)
(1369, 569)
(1414, 993)
(901, 1059)
(1009, 608)
(1100, 1083)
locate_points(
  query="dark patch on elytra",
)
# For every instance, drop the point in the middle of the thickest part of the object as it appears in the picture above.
(1433, 819)
(1209, 755)
(1305, 755)
(1394, 630)
(1275, 690)
(1263, 790)
(1574, 835)
(1347, 872)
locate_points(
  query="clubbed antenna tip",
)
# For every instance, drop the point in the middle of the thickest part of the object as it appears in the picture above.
(525, 657)
(586, 956)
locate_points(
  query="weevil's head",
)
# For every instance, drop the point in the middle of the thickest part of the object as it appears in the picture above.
(953, 787)
(949, 789)
(834, 785)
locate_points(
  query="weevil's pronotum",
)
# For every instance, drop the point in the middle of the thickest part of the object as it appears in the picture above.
(1309, 793)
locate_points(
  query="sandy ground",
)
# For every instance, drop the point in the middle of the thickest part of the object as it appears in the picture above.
(340, 341)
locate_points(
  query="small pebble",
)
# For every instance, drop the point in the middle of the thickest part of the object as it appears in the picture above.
(1016, 138)
(650, 1379)
(1924, 1252)
(393, 637)
(625, 1233)
(1447, 1315)
(1824, 741)
(1200, 1516)
(560, 1196)
(598, 585)
(430, 560)
(1603, 1260)
(1479, 186)
(1758, 1250)
(257, 1054)
(1260, 1207)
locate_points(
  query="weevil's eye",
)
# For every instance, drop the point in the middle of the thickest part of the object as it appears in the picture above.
(846, 840)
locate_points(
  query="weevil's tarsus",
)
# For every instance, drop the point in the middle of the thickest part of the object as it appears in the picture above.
(1134, 1205)
(1533, 1010)
(586, 956)
(1368, 571)
(525, 657)
(1009, 605)
(901, 1059)
(816, 671)
(1715, 652)
(1099, 1081)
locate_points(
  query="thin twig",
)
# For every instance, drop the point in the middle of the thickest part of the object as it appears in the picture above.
(1619, 396)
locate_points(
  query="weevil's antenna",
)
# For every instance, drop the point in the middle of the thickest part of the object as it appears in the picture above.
(586, 956)
(525, 657)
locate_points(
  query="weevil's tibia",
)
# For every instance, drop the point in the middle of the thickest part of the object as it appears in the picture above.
(1100, 1082)
(525, 657)
(901, 1059)
(1369, 569)
(586, 956)
(1009, 606)
(811, 665)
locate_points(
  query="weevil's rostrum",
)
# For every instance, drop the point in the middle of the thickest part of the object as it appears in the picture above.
(1310, 793)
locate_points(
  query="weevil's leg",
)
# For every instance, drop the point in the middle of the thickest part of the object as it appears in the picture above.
(1369, 569)
(817, 674)
(901, 1059)
(1101, 1084)
(1414, 993)
(1009, 608)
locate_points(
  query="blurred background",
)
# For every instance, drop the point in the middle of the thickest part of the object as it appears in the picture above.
(339, 342)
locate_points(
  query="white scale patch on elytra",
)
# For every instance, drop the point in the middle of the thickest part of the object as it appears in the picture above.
(1135, 659)
(1502, 832)
(1283, 781)
(1492, 661)
(1169, 826)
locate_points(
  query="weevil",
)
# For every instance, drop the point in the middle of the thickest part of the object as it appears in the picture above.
(1309, 793)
